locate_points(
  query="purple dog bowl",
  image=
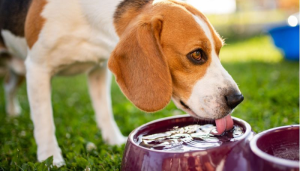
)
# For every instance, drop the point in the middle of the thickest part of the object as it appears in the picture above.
(231, 155)
(276, 149)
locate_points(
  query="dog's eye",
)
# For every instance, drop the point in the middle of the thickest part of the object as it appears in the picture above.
(197, 56)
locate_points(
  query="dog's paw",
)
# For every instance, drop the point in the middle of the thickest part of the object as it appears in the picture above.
(121, 140)
(114, 139)
(13, 110)
(58, 160)
(111, 133)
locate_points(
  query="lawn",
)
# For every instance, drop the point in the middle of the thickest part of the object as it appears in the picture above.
(269, 84)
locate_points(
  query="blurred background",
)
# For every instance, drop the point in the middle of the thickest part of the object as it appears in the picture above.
(245, 18)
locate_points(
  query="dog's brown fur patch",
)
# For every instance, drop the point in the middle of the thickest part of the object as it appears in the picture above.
(141, 68)
(217, 40)
(34, 22)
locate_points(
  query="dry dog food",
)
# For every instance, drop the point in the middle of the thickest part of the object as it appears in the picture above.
(188, 138)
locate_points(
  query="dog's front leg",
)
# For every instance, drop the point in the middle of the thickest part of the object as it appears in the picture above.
(39, 94)
(99, 80)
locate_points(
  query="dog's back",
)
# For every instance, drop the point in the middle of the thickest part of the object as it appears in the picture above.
(13, 15)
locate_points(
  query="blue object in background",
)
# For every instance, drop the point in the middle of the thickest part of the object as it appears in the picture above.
(286, 38)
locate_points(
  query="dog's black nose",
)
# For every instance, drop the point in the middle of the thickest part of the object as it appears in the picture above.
(233, 100)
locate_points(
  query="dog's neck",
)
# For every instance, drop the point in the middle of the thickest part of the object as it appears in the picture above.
(98, 12)
(126, 12)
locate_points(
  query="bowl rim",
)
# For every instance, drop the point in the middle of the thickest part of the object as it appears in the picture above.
(268, 157)
(131, 135)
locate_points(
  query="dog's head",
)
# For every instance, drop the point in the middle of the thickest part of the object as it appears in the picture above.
(168, 49)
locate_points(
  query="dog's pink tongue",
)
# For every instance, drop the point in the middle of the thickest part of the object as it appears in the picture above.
(223, 124)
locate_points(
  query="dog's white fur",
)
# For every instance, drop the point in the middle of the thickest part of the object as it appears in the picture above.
(216, 79)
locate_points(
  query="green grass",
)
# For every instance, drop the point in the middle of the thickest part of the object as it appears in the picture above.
(269, 84)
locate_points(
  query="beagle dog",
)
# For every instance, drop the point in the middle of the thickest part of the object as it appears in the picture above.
(158, 50)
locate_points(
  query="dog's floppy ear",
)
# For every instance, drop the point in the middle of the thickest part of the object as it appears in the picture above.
(140, 68)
